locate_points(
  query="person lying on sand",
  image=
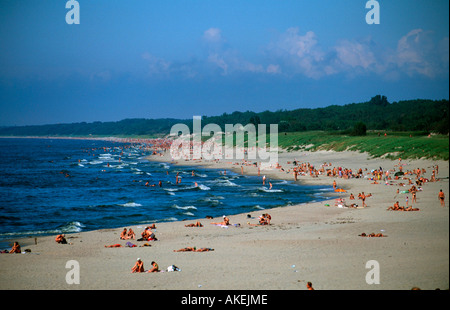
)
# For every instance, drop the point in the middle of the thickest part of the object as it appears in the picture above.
(396, 207)
(226, 221)
(117, 245)
(198, 224)
(194, 249)
(138, 266)
(372, 235)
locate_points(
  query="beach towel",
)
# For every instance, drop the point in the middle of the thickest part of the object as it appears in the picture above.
(173, 268)
(130, 245)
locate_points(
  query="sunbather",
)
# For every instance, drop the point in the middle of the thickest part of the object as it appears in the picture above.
(117, 245)
(198, 224)
(154, 268)
(226, 221)
(60, 239)
(15, 248)
(138, 266)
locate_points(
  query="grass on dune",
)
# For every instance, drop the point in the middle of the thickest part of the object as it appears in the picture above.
(393, 145)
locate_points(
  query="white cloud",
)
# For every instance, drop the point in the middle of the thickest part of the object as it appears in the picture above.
(219, 62)
(294, 53)
(157, 66)
(418, 54)
(274, 69)
(354, 54)
(225, 57)
(212, 35)
(300, 52)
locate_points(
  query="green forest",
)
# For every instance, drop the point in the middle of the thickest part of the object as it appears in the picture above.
(421, 116)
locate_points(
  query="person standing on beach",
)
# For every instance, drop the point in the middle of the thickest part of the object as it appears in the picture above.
(363, 198)
(441, 197)
(414, 198)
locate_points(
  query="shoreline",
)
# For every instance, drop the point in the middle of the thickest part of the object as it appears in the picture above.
(307, 242)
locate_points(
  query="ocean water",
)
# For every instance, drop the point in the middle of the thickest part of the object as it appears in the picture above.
(51, 186)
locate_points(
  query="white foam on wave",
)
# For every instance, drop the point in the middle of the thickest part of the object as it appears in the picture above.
(169, 219)
(165, 166)
(130, 204)
(265, 189)
(171, 189)
(71, 227)
(105, 156)
(203, 187)
(96, 162)
(184, 208)
(226, 183)
(211, 200)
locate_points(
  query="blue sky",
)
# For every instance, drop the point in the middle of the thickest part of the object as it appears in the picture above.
(157, 59)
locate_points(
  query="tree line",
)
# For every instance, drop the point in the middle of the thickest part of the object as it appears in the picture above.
(378, 113)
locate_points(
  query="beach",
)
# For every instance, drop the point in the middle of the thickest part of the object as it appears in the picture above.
(314, 242)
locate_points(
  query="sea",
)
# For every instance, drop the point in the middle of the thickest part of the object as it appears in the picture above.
(51, 186)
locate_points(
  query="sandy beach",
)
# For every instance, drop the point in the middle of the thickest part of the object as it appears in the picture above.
(315, 242)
